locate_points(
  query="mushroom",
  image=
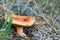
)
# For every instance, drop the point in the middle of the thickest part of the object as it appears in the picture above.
(21, 21)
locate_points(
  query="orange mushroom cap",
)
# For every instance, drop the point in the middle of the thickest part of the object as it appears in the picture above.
(22, 20)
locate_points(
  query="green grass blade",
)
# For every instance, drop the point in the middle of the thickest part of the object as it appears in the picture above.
(2, 32)
(8, 28)
(5, 21)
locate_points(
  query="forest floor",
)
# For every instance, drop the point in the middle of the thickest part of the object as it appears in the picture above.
(46, 12)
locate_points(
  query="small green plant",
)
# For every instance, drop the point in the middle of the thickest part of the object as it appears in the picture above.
(7, 29)
(4, 32)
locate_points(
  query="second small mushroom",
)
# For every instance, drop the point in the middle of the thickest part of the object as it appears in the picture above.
(21, 21)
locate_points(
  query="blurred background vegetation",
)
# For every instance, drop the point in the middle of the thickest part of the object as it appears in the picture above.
(46, 12)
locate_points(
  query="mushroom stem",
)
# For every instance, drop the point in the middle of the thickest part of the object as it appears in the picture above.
(19, 31)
